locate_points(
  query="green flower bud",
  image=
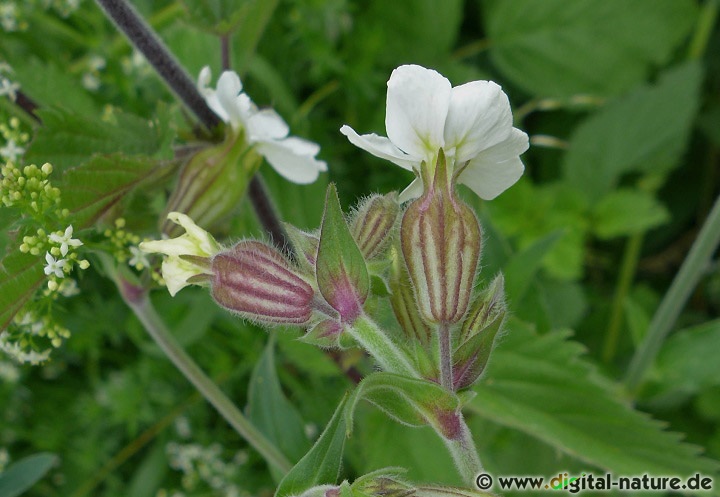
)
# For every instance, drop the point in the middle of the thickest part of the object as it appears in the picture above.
(373, 222)
(440, 240)
(477, 336)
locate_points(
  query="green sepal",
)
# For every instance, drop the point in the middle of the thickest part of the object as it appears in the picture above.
(410, 401)
(341, 271)
(305, 247)
(321, 465)
(325, 334)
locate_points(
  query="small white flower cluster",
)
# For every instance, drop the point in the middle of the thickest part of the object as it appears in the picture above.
(24, 356)
(204, 464)
(59, 259)
(14, 138)
(7, 86)
(267, 132)
(91, 77)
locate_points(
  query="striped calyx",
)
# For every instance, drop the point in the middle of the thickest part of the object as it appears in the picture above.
(213, 181)
(440, 240)
(258, 282)
(373, 222)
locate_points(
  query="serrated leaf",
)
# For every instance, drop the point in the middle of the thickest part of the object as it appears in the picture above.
(67, 139)
(521, 268)
(20, 275)
(626, 212)
(556, 48)
(410, 401)
(271, 412)
(342, 274)
(22, 475)
(321, 465)
(95, 186)
(540, 385)
(643, 131)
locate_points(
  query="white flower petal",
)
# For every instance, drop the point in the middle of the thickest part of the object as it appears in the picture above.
(205, 244)
(204, 80)
(413, 190)
(516, 143)
(293, 158)
(266, 125)
(417, 105)
(381, 147)
(489, 179)
(479, 117)
(176, 272)
(228, 89)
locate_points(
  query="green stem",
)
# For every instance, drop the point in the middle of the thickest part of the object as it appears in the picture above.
(627, 273)
(463, 451)
(445, 356)
(138, 301)
(692, 269)
(381, 347)
(703, 29)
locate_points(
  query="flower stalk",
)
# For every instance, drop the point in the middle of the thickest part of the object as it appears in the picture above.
(386, 352)
(136, 298)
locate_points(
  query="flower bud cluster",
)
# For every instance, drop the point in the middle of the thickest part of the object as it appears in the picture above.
(125, 246)
(31, 337)
(30, 190)
(204, 468)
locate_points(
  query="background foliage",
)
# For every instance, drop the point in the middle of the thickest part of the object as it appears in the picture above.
(621, 100)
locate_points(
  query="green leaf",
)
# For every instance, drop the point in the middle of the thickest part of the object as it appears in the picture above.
(540, 385)
(67, 139)
(626, 212)
(522, 267)
(556, 48)
(321, 465)
(688, 359)
(271, 412)
(342, 274)
(95, 186)
(22, 475)
(217, 16)
(645, 131)
(410, 401)
(151, 472)
(20, 275)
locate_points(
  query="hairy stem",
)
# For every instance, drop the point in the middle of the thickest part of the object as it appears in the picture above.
(445, 356)
(146, 41)
(464, 453)
(137, 299)
(695, 264)
(381, 347)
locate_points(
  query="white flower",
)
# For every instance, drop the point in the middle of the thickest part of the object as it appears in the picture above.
(65, 240)
(8, 88)
(139, 258)
(11, 151)
(196, 242)
(293, 158)
(54, 266)
(472, 123)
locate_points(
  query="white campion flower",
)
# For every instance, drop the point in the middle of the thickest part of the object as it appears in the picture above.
(292, 157)
(65, 240)
(472, 123)
(195, 242)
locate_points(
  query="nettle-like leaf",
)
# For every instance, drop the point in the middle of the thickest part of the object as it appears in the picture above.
(556, 48)
(95, 186)
(540, 385)
(321, 465)
(410, 401)
(645, 131)
(23, 474)
(20, 275)
(271, 412)
(625, 212)
(67, 139)
(341, 271)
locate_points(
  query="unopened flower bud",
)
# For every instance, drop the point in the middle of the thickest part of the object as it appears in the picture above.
(477, 336)
(372, 224)
(403, 303)
(440, 240)
(257, 282)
